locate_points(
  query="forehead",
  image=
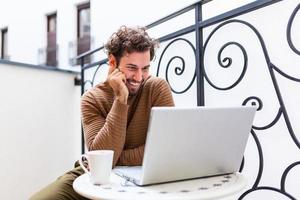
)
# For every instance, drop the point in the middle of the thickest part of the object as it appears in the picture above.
(137, 58)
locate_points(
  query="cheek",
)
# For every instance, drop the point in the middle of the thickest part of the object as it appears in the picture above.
(146, 75)
(129, 75)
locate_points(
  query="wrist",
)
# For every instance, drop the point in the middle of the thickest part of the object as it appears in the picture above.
(121, 99)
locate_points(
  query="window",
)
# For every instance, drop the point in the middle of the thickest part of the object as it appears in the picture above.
(4, 45)
(83, 29)
(51, 50)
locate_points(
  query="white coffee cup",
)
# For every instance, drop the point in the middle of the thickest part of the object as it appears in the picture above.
(99, 164)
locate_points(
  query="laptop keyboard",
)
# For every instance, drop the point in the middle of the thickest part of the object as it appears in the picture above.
(133, 172)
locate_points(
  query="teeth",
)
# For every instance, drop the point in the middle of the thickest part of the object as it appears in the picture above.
(134, 84)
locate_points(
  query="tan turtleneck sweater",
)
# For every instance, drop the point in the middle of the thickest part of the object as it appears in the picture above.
(109, 124)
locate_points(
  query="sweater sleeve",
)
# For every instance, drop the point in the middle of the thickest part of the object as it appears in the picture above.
(132, 157)
(104, 133)
(161, 94)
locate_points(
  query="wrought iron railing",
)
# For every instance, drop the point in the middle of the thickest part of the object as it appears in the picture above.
(201, 78)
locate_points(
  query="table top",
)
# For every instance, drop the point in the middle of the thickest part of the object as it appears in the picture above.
(202, 188)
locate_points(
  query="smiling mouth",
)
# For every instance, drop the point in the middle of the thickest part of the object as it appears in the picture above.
(133, 83)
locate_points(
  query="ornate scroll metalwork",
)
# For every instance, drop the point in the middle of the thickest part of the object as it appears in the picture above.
(226, 59)
(282, 111)
(288, 30)
(178, 70)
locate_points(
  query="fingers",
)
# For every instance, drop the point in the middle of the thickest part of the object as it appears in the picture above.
(117, 70)
(117, 75)
(112, 69)
(123, 78)
(117, 81)
(120, 75)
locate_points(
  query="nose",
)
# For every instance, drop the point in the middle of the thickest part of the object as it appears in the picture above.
(138, 75)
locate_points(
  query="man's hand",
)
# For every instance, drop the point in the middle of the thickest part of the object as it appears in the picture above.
(117, 80)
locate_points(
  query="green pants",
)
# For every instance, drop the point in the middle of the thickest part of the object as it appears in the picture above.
(62, 188)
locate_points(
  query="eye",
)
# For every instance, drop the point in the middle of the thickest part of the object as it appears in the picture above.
(145, 69)
(131, 68)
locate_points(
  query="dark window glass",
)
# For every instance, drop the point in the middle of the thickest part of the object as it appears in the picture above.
(83, 30)
(4, 44)
(51, 41)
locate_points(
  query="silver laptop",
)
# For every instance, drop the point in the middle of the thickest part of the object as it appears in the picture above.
(187, 143)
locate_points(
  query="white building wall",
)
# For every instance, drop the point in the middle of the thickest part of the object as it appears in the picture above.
(40, 128)
(27, 22)
(27, 27)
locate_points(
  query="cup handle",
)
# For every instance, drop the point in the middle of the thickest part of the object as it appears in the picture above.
(82, 165)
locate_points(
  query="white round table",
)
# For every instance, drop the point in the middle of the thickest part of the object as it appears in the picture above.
(202, 188)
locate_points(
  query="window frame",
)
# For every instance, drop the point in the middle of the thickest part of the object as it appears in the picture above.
(51, 49)
(84, 41)
(4, 43)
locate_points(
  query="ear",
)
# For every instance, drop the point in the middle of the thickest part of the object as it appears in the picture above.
(112, 62)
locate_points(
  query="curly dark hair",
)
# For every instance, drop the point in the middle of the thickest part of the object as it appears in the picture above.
(130, 39)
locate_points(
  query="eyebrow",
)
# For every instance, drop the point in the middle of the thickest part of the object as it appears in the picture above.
(134, 65)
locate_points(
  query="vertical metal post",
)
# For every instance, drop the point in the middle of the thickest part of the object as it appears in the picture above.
(199, 55)
(82, 91)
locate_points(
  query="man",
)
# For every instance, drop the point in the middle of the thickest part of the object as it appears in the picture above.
(115, 113)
